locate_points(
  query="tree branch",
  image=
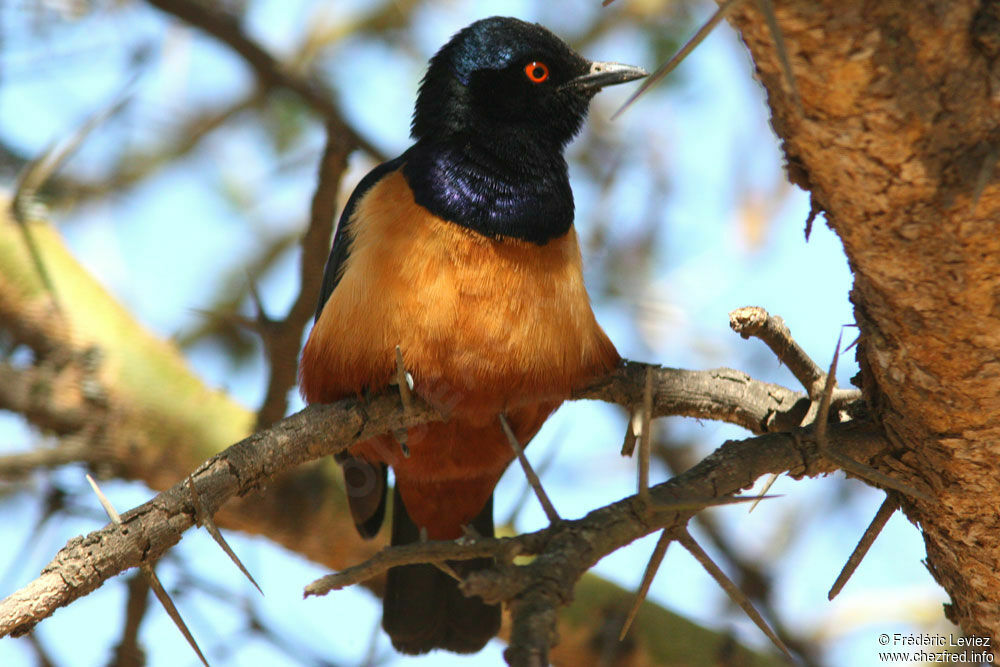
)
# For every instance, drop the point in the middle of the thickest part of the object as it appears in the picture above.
(149, 530)
(270, 72)
(283, 339)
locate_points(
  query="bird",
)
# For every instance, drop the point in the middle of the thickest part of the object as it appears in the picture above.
(462, 252)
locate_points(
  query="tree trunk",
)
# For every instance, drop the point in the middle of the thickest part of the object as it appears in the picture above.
(897, 137)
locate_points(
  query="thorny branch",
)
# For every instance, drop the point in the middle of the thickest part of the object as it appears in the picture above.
(722, 394)
(149, 530)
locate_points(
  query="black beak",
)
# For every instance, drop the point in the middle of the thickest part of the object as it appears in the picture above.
(603, 74)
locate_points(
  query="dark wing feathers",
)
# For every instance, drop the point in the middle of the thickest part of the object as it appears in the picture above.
(366, 496)
(341, 239)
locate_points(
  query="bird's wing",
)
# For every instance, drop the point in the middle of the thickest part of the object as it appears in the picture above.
(341, 239)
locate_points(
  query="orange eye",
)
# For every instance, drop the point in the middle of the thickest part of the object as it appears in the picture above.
(536, 72)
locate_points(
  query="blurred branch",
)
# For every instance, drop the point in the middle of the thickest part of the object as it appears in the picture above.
(129, 652)
(283, 339)
(221, 318)
(28, 391)
(70, 190)
(270, 72)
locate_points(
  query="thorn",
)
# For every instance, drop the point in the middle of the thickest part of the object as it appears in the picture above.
(105, 503)
(694, 504)
(205, 519)
(536, 484)
(447, 569)
(885, 512)
(735, 594)
(985, 174)
(644, 438)
(647, 579)
(168, 605)
(679, 57)
(154, 581)
(526, 491)
(632, 429)
(767, 9)
(401, 440)
(846, 463)
(404, 381)
(767, 487)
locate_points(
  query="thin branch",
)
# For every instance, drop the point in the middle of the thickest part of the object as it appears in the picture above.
(128, 652)
(134, 167)
(755, 321)
(270, 72)
(885, 512)
(31, 392)
(69, 451)
(282, 339)
(503, 548)
(158, 524)
(41, 169)
(722, 394)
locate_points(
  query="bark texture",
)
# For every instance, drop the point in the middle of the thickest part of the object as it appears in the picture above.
(897, 137)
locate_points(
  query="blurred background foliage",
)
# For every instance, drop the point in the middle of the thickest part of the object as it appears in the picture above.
(190, 196)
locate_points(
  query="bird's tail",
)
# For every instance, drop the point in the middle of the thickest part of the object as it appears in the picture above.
(423, 608)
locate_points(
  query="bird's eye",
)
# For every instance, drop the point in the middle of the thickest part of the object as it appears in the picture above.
(536, 72)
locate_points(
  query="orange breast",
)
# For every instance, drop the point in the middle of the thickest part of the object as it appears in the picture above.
(484, 325)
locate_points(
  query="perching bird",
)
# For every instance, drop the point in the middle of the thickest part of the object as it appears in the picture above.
(462, 252)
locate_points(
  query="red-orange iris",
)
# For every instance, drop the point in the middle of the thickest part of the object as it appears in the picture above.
(536, 72)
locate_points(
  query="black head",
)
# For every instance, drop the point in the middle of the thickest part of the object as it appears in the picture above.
(501, 74)
(498, 104)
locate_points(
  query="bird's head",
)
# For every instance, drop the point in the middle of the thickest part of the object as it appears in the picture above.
(504, 76)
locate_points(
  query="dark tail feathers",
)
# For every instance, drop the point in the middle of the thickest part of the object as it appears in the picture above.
(423, 608)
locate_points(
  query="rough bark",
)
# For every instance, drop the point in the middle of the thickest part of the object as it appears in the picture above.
(897, 140)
